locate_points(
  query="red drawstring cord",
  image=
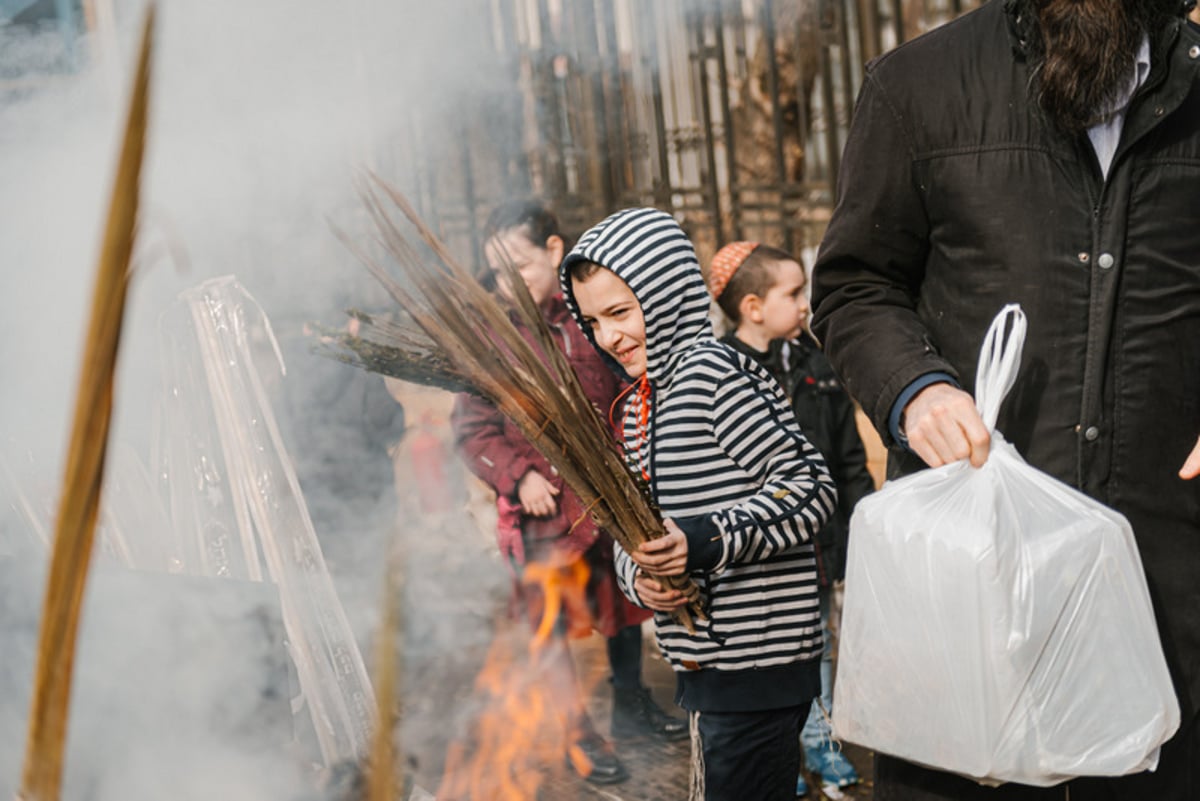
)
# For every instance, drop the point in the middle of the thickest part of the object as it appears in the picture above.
(643, 424)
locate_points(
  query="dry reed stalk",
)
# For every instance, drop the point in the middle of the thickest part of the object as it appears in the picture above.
(382, 778)
(41, 778)
(413, 359)
(462, 325)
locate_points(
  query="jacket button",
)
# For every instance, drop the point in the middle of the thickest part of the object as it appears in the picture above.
(1194, 51)
(1092, 434)
(1105, 261)
(1083, 257)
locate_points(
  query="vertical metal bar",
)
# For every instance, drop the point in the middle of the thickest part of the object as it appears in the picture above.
(619, 162)
(848, 89)
(662, 192)
(804, 117)
(803, 121)
(516, 175)
(469, 198)
(898, 20)
(568, 164)
(587, 35)
(870, 37)
(545, 74)
(710, 153)
(777, 114)
(735, 206)
(769, 32)
(849, 16)
(831, 132)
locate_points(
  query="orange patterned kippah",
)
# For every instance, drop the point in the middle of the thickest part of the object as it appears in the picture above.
(726, 263)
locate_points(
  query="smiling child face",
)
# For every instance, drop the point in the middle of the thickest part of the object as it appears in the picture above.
(609, 308)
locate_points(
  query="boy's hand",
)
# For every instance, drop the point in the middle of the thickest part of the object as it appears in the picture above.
(537, 495)
(665, 556)
(655, 596)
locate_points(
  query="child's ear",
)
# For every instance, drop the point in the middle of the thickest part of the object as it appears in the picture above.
(751, 308)
(556, 248)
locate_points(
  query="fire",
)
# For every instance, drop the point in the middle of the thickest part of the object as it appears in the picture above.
(519, 738)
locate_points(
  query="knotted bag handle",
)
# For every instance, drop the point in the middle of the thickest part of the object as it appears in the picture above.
(999, 360)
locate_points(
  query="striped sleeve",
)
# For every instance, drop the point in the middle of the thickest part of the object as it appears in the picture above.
(627, 571)
(755, 427)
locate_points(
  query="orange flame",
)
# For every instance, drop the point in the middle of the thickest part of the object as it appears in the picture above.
(519, 738)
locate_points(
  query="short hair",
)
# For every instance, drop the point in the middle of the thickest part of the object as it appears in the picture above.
(531, 216)
(582, 269)
(755, 276)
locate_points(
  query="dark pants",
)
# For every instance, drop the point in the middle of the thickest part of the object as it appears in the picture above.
(1176, 779)
(625, 658)
(751, 755)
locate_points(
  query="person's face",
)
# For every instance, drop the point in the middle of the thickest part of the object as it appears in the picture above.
(537, 266)
(785, 308)
(608, 307)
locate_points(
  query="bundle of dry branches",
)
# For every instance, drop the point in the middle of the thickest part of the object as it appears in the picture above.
(41, 778)
(457, 335)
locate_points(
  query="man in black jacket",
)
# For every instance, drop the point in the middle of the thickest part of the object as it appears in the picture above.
(1044, 152)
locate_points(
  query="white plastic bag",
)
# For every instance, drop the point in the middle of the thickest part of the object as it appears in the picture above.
(997, 622)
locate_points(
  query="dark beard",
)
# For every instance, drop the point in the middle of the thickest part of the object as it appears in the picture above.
(1084, 57)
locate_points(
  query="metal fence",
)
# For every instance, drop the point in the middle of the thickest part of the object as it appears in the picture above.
(732, 114)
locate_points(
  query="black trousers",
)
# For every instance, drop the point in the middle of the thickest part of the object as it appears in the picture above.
(1176, 779)
(750, 755)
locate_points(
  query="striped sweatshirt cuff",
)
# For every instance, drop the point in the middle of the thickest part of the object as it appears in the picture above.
(705, 545)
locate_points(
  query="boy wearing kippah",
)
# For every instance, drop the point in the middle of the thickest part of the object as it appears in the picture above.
(761, 290)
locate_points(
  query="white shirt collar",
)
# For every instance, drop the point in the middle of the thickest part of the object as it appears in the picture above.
(1106, 135)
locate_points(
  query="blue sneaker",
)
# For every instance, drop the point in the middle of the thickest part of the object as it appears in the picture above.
(801, 786)
(831, 765)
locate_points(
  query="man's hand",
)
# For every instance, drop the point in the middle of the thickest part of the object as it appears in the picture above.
(665, 556)
(537, 495)
(1191, 468)
(943, 426)
(655, 595)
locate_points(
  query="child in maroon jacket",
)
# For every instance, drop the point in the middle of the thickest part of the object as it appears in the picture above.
(541, 521)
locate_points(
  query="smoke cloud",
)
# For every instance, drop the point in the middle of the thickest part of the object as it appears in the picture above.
(261, 114)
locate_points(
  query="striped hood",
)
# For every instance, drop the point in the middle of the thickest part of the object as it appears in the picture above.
(648, 250)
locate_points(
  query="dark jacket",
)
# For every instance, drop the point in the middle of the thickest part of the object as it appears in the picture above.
(495, 450)
(727, 461)
(826, 416)
(957, 197)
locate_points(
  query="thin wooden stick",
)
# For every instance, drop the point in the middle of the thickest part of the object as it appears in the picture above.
(382, 778)
(41, 778)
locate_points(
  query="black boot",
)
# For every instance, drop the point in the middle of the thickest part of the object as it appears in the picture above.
(636, 714)
(593, 758)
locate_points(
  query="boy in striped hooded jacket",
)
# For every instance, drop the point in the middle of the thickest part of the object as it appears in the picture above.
(742, 492)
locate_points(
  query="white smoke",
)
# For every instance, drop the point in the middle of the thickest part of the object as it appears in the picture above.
(261, 113)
